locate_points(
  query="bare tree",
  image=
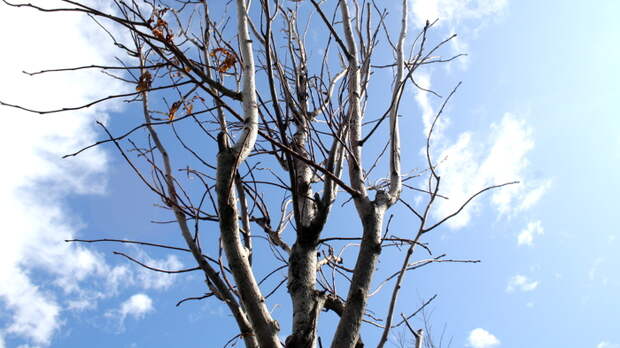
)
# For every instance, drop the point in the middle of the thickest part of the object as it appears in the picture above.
(289, 134)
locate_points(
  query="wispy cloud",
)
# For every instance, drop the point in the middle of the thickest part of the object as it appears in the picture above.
(526, 236)
(470, 164)
(607, 344)
(423, 80)
(533, 195)
(521, 283)
(595, 273)
(148, 279)
(110, 280)
(462, 16)
(481, 338)
(455, 11)
(34, 181)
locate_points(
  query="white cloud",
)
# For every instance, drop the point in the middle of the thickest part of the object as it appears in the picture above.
(469, 166)
(455, 11)
(34, 181)
(521, 283)
(466, 17)
(81, 304)
(458, 167)
(534, 194)
(422, 98)
(119, 276)
(473, 162)
(607, 344)
(157, 280)
(34, 312)
(595, 272)
(512, 140)
(131, 274)
(526, 236)
(137, 306)
(592, 273)
(481, 338)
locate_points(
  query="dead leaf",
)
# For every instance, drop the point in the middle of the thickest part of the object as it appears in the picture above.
(229, 59)
(189, 108)
(173, 109)
(158, 33)
(144, 83)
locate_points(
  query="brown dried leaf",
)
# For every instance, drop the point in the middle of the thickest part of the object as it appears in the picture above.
(144, 83)
(161, 23)
(173, 109)
(189, 108)
(158, 33)
(229, 59)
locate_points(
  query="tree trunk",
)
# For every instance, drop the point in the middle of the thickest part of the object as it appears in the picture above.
(350, 322)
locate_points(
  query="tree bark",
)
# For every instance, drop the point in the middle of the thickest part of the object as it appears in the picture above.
(350, 322)
(228, 160)
(265, 328)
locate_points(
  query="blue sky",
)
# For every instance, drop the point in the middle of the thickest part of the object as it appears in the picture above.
(538, 104)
